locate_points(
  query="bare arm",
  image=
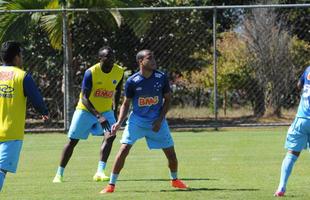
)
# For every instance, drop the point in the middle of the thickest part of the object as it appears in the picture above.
(90, 107)
(117, 96)
(299, 85)
(163, 112)
(124, 110)
(166, 105)
(122, 114)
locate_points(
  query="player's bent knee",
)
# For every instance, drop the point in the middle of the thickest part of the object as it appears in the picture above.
(111, 139)
(296, 153)
(73, 142)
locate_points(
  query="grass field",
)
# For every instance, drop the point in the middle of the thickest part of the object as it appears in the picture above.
(228, 164)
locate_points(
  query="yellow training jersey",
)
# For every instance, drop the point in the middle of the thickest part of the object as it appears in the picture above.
(12, 103)
(103, 87)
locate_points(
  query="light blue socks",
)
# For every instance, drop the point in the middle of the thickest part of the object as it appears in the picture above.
(60, 171)
(101, 166)
(113, 178)
(286, 169)
(174, 175)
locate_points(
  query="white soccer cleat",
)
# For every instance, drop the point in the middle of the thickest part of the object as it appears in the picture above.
(100, 176)
(58, 179)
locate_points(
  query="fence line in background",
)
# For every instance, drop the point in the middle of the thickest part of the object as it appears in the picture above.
(67, 70)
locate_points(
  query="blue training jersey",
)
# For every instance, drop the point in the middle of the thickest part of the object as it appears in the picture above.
(147, 96)
(304, 104)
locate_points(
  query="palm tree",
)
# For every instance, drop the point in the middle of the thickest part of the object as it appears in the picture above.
(52, 23)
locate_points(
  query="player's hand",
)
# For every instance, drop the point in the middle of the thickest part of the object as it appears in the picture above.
(156, 125)
(45, 117)
(115, 127)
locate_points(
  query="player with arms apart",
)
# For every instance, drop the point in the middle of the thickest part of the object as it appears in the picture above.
(298, 135)
(150, 94)
(94, 113)
(16, 86)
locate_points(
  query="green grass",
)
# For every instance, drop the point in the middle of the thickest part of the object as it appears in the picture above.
(189, 112)
(229, 164)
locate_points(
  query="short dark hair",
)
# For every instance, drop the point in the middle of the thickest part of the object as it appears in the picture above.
(140, 55)
(103, 48)
(9, 50)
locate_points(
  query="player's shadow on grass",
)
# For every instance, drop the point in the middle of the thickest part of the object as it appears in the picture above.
(198, 189)
(210, 189)
(184, 179)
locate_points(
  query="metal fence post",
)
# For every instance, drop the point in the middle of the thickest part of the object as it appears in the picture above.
(65, 68)
(215, 68)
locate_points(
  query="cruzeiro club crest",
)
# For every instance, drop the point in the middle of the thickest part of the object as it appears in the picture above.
(6, 91)
(114, 82)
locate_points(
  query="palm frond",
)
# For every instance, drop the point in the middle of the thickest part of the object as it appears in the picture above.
(14, 26)
(117, 17)
(52, 24)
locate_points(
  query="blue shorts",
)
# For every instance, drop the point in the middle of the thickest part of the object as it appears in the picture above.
(155, 140)
(9, 154)
(84, 123)
(298, 135)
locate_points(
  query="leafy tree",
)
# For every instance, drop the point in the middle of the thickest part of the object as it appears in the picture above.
(50, 24)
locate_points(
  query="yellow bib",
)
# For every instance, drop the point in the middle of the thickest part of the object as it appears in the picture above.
(103, 88)
(12, 103)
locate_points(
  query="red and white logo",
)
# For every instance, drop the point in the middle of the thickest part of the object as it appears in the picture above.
(148, 101)
(103, 93)
(6, 76)
(308, 76)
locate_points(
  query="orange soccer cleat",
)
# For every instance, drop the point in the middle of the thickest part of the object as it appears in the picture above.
(177, 183)
(279, 194)
(108, 189)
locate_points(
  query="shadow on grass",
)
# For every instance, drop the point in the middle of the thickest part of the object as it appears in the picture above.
(211, 189)
(198, 189)
(184, 179)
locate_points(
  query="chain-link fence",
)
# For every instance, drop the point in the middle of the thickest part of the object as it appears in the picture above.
(228, 66)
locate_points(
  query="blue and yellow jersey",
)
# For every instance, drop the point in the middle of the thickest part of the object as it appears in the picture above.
(102, 87)
(12, 104)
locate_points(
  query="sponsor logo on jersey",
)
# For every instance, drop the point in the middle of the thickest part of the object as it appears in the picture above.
(6, 91)
(5, 76)
(308, 77)
(138, 88)
(148, 101)
(103, 93)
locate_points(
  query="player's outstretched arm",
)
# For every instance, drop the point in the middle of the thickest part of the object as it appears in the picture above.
(117, 96)
(122, 115)
(31, 91)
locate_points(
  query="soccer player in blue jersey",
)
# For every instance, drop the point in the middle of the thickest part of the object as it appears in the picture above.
(150, 94)
(16, 86)
(94, 113)
(298, 135)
